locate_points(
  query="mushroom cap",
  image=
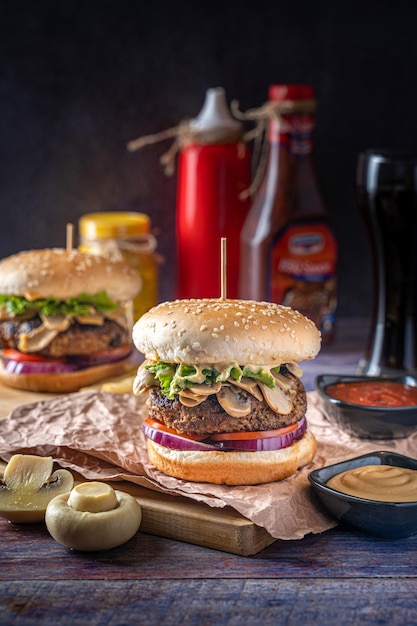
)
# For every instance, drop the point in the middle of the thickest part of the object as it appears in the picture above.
(90, 531)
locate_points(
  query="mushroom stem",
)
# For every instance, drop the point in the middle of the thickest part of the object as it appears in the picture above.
(94, 497)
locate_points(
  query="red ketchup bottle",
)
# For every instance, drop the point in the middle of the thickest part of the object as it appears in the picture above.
(214, 169)
(289, 250)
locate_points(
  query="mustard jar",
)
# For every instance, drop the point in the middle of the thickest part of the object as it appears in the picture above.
(124, 236)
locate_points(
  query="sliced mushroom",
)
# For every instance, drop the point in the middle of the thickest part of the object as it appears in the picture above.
(234, 401)
(277, 399)
(93, 517)
(202, 390)
(36, 339)
(144, 380)
(28, 485)
(283, 382)
(250, 385)
(56, 322)
(93, 318)
(195, 395)
(295, 369)
(190, 401)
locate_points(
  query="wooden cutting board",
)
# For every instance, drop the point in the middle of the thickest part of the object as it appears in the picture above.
(174, 517)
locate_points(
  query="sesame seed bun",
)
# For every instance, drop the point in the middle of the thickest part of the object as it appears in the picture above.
(220, 331)
(63, 274)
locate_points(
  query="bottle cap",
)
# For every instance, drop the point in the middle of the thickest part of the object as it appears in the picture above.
(290, 92)
(113, 225)
(215, 113)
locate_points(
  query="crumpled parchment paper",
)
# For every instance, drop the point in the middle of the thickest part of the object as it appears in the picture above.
(98, 435)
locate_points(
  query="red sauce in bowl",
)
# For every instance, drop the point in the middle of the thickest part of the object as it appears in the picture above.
(374, 393)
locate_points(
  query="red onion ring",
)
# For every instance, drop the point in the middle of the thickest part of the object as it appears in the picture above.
(177, 442)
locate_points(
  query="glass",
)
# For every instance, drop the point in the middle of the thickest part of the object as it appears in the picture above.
(386, 183)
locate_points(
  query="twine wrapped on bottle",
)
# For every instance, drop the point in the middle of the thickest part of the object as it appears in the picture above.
(185, 133)
(261, 116)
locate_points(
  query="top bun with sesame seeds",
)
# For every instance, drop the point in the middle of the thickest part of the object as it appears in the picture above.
(225, 400)
(219, 331)
(65, 319)
(61, 274)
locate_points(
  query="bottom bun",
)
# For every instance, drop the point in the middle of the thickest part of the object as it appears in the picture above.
(233, 468)
(66, 382)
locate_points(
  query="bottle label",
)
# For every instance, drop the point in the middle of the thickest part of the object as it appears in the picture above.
(293, 131)
(302, 272)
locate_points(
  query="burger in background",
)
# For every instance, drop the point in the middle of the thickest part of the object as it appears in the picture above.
(65, 319)
(226, 403)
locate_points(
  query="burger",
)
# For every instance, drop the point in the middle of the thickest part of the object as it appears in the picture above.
(65, 319)
(225, 401)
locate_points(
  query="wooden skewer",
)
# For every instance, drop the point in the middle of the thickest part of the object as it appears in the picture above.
(70, 237)
(223, 267)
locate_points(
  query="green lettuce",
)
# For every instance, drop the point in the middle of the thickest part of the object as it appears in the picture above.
(81, 305)
(173, 377)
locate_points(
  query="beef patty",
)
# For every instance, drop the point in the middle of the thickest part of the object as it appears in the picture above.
(210, 417)
(78, 340)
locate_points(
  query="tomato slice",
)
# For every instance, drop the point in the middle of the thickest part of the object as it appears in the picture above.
(160, 426)
(256, 434)
(21, 357)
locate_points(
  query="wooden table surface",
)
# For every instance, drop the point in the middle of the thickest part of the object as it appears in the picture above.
(336, 578)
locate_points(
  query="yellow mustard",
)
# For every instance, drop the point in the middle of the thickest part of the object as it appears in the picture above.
(124, 236)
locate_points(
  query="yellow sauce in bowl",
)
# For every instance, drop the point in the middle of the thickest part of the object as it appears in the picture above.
(384, 483)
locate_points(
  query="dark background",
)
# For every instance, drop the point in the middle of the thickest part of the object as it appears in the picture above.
(79, 79)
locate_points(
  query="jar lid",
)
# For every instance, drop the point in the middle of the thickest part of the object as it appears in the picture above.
(291, 92)
(113, 225)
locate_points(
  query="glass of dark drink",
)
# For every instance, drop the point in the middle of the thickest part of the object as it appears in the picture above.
(386, 183)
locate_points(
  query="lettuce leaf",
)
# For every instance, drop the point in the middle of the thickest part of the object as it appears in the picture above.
(174, 377)
(18, 305)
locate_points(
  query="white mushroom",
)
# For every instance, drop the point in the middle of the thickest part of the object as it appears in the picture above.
(277, 399)
(234, 401)
(250, 385)
(28, 485)
(93, 517)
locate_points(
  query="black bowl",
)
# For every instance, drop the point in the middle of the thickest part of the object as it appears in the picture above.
(367, 422)
(389, 520)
